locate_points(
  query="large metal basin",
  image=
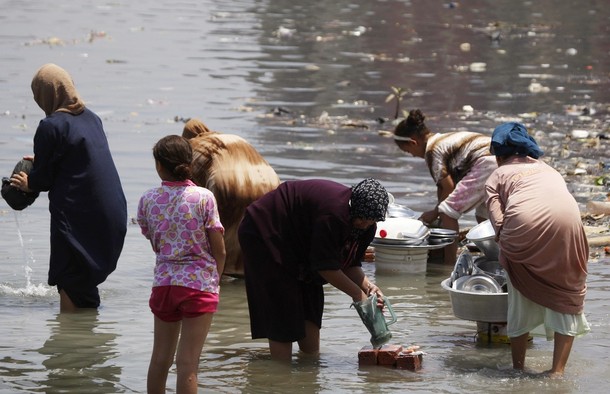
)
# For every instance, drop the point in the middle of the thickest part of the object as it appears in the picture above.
(483, 307)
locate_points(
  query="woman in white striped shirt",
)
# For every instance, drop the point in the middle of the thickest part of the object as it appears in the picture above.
(460, 162)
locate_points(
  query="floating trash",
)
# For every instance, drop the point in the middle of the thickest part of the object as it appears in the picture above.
(465, 47)
(580, 134)
(284, 32)
(478, 67)
(537, 87)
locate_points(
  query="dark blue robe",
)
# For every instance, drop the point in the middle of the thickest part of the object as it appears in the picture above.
(72, 161)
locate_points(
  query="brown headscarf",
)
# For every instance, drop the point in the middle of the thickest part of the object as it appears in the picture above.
(193, 128)
(54, 90)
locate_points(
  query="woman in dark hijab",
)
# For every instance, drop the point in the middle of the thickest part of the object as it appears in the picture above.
(72, 161)
(295, 239)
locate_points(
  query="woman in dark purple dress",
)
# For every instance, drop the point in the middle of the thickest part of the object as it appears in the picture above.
(294, 240)
(86, 201)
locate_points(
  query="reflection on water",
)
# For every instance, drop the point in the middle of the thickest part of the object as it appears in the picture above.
(79, 353)
(306, 83)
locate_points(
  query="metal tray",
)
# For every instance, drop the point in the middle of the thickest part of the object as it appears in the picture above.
(442, 232)
(423, 245)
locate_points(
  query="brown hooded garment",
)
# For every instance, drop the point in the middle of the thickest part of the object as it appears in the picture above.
(236, 173)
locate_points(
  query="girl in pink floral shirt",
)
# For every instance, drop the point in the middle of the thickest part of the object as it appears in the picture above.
(182, 223)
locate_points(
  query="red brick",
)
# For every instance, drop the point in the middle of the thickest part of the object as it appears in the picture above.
(387, 354)
(411, 361)
(367, 356)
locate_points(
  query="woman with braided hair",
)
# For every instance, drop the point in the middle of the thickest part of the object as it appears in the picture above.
(459, 162)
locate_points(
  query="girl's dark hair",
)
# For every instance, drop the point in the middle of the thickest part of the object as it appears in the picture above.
(412, 126)
(175, 155)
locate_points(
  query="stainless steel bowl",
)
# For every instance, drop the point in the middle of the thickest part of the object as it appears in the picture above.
(480, 283)
(399, 211)
(489, 247)
(491, 268)
(484, 237)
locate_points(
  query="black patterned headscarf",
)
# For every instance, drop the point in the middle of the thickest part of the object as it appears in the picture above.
(369, 200)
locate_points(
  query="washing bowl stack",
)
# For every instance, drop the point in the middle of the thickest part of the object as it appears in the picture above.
(401, 245)
(477, 285)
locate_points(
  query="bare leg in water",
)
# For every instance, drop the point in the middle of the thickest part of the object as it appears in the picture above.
(450, 250)
(518, 346)
(282, 351)
(65, 303)
(310, 345)
(561, 352)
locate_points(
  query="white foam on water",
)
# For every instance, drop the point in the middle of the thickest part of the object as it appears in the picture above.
(30, 289)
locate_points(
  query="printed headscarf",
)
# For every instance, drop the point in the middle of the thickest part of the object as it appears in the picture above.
(369, 200)
(512, 138)
(193, 128)
(54, 91)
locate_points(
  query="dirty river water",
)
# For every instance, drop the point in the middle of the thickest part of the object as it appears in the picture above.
(306, 83)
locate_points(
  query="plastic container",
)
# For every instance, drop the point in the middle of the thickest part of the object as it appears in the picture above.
(400, 259)
(401, 231)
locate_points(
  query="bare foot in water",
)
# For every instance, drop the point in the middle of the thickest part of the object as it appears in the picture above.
(552, 374)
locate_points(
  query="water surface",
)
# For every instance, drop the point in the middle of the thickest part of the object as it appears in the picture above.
(306, 83)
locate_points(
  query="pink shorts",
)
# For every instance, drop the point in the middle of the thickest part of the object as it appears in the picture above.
(173, 303)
